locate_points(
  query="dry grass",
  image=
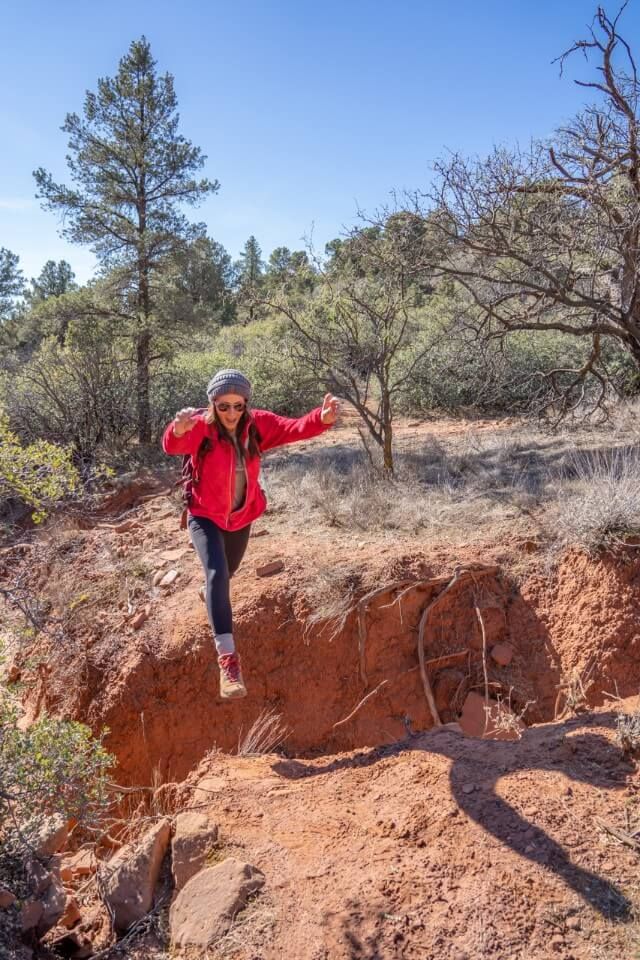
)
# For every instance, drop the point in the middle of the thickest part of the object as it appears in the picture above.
(265, 735)
(574, 486)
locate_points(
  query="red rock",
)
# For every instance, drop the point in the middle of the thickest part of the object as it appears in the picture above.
(81, 864)
(193, 838)
(268, 569)
(71, 913)
(169, 577)
(134, 871)
(480, 718)
(6, 898)
(204, 909)
(502, 654)
(141, 617)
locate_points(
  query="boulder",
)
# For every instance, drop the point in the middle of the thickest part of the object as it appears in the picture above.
(205, 908)
(133, 874)
(53, 901)
(50, 835)
(193, 837)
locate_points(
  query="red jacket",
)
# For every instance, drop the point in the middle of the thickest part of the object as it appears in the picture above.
(213, 496)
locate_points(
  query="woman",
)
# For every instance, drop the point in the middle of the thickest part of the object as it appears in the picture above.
(227, 496)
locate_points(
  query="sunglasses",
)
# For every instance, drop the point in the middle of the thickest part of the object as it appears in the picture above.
(224, 407)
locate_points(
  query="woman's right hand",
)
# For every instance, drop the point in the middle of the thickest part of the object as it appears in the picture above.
(184, 421)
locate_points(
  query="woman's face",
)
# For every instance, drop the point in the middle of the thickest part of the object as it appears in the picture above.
(229, 407)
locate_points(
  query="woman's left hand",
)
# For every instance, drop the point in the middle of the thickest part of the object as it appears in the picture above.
(330, 409)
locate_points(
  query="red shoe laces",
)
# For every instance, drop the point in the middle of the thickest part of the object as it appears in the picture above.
(230, 666)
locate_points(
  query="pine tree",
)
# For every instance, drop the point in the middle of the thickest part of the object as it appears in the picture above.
(131, 171)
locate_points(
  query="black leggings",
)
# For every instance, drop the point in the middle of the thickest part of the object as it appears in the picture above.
(220, 552)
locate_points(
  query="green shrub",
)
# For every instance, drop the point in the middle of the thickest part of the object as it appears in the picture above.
(53, 767)
(38, 474)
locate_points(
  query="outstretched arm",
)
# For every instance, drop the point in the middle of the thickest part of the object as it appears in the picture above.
(276, 431)
(184, 433)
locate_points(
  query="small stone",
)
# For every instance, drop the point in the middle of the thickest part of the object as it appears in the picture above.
(81, 864)
(531, 812)
(6, 898)
(268, 569)
(126, 526)
(170, 556)
(13, 673)
(157, 577)
(169, 577)
(573, 923)
(259, 533)
(502, 654)
(141, 617)
(557, 943)
(71, 914)
(468, 788)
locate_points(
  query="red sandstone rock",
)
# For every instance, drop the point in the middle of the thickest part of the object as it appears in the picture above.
(135, 869)
(193, 837)
(502, 654)
(268, 569)
(204, 909)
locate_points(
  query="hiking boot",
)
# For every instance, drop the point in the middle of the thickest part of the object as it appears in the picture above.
(231, 683)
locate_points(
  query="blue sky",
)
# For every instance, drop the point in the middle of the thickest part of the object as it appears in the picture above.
(305, 110)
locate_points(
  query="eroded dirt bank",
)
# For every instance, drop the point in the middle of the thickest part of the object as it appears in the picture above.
(571, 630)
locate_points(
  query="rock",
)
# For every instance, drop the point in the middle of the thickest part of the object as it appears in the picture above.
(557, 943)
(573, 923)
(6, 898)
(53, 904)
(157, 577)
(38, 877)
(71, 914)
(170, 556)
(193, 837)
(258, 533)
(30, 914)
(126, 526)
(268, 569)
(496, 722)
(141, 617)
(134, 870)
(468, 788)
(204, 909)
(502, 654)
(51, 836)
(13, 673)
(81, 864)
(169, 577)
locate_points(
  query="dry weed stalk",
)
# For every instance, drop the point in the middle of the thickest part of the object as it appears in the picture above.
(575, 691)
(265, 734)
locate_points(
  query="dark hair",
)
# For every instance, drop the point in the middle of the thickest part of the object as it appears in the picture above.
(253, 437)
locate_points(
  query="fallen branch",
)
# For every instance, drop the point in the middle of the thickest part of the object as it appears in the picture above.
(361, 704)
(620, 835)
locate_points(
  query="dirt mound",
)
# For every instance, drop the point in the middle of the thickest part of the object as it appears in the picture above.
(438, 846)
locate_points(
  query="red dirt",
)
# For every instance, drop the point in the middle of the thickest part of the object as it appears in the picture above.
(383, 852)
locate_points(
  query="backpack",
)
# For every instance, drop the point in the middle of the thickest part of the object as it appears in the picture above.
(190, 474)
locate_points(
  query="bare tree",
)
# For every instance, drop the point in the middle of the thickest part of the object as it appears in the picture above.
(358, 330)
(548, 239)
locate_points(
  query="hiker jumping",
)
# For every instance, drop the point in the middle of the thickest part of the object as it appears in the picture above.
(225, 443)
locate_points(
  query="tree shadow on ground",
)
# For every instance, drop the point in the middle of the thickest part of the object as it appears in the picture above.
(583, 757)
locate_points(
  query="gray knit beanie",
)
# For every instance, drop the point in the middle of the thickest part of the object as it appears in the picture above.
(229, 381)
